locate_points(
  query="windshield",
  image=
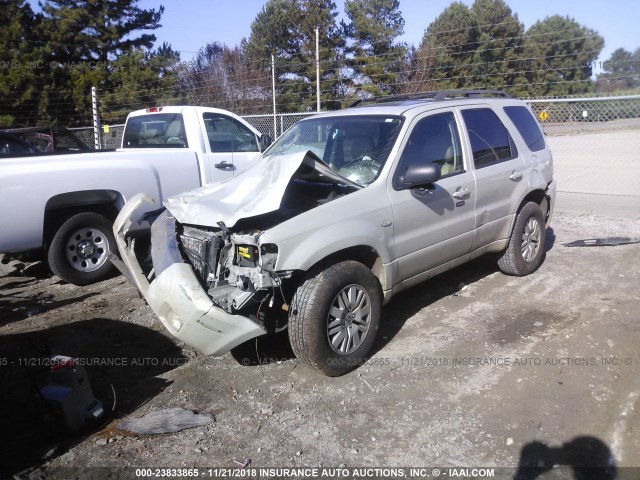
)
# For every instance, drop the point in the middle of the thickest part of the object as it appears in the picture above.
(355, 147)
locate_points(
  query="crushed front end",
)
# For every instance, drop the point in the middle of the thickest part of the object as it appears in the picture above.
(209, 287)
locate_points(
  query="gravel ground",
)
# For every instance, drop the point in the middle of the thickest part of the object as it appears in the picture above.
(472, 368)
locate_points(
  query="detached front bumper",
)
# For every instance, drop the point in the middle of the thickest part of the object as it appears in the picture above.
(175, 295)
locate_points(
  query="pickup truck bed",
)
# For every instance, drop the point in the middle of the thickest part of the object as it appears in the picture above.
(62, 206)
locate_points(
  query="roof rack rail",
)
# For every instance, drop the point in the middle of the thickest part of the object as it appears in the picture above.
(436, 96)
(445, 94)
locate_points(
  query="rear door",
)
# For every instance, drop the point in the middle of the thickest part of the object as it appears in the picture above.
(230, 145)
(499, 173)
(433, 225)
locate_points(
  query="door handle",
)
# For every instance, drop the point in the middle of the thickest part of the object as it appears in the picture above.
(223, 165)
(461, 192)
(515, 175)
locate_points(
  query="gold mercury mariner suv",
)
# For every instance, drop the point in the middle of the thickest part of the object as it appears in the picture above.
(343, 211)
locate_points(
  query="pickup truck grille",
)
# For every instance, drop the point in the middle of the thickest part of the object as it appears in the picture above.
(201, 248)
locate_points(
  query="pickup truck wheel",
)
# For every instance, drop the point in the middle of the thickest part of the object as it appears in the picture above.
(78, 250)
(526, 244)
(334, 318)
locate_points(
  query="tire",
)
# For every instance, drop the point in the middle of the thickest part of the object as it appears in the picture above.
(526, 244)
(321, 332)
(78, 250)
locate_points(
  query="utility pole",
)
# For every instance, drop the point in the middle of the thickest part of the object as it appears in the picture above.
(318, 66)
(273, 95)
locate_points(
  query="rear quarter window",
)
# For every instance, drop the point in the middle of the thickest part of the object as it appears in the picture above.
(527, 127)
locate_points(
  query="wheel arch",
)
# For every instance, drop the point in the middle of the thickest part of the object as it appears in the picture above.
(537, 196)
(63, 206)
(364, 254)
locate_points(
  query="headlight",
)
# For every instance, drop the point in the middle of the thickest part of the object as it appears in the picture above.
(269, 254)
(246, 255)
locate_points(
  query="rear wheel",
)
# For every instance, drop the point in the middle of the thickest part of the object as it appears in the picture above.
(78, 250)
(526, 244)
(335, 317)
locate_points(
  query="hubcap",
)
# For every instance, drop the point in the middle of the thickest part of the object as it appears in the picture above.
(87, 249)
(531, 239)
(349, 319)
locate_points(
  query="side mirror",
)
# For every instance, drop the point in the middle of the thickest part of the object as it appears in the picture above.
(421, 175)
(265, 142)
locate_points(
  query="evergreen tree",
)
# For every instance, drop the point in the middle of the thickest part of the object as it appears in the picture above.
(378, 58)
(21, 64)
(560, 55)
(499, 39)
(447, 49)
(286, 29)
(99, 43)
(621, 71)
(140, 78)
(98, 30)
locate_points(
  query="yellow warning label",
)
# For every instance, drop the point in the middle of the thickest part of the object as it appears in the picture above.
(543, 115)
(105, 128)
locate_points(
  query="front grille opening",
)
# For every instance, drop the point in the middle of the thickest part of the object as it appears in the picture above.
(201, 248)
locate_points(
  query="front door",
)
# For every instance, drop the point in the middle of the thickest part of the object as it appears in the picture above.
(434, 224)
(232, 146)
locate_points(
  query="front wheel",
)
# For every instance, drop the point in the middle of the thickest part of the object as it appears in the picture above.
(79, 249)
(334, 318)
(526, 245)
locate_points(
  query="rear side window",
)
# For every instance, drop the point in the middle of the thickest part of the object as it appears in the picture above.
(164, 130)
(527, 126)
(490, 140)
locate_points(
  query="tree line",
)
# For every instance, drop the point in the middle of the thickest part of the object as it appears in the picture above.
(51, 58)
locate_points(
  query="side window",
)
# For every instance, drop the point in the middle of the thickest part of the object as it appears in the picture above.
(434, 139)
(490, 140)
(527, 126)
(8, 147)
(228, 135)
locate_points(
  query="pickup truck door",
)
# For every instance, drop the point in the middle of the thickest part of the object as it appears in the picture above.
(434, 224)
(500, 174)
(230, 145)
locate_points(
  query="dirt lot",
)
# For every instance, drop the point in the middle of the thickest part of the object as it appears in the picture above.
(472, 368)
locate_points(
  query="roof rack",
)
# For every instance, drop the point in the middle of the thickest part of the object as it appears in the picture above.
(436, 96)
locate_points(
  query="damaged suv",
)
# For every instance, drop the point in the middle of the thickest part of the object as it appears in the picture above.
(343, 211)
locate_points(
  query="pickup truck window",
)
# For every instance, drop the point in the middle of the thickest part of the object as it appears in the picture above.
(158, 130)
(228, 135)
(13, 146)
(490, 140)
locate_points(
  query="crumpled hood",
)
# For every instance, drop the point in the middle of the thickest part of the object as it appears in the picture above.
(255, 191)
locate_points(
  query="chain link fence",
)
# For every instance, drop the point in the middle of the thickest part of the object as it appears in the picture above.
(85, 134)
(265, 123)
(595, 141)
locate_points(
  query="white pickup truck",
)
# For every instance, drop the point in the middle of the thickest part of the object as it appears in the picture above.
(61, 207)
